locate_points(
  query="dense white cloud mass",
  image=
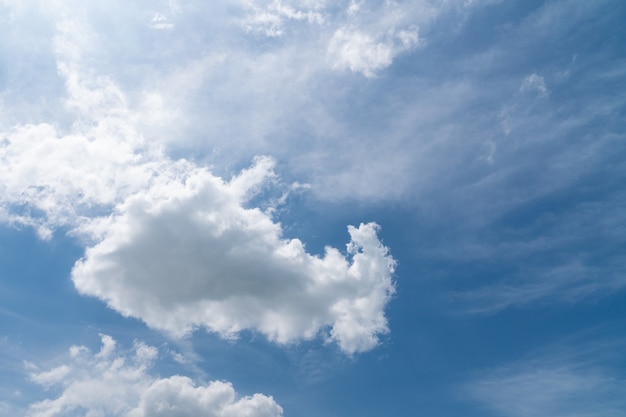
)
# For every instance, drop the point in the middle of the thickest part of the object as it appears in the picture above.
(117, 383)
(186, 253)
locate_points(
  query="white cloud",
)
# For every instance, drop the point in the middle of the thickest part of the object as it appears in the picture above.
(52, 376)
(116, 383)
(186, 253)
(50, 179)
(185, 399)
(56, 174)
(361, 52)
(374, 34)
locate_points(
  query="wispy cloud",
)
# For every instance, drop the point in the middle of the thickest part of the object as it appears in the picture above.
(566, 283)
(536, 83)
(269, 18)
(561, 383)
(567, 258)
(548, 206)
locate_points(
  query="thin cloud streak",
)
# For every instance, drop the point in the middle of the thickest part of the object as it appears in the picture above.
(562, 381)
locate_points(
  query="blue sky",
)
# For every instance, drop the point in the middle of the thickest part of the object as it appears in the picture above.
(280, 208)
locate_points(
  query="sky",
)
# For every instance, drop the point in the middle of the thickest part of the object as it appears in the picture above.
(311, 208)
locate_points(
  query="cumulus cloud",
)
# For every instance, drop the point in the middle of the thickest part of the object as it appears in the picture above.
(187, 253)
(119, 383)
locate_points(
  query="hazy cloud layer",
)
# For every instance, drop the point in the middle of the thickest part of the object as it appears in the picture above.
(191, 72)
(564, 382)
(119, 383)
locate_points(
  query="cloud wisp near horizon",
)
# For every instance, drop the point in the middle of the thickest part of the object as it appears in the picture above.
(350, 188)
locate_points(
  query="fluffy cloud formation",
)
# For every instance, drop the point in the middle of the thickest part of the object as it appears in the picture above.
(187, 253)
(118, 383)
